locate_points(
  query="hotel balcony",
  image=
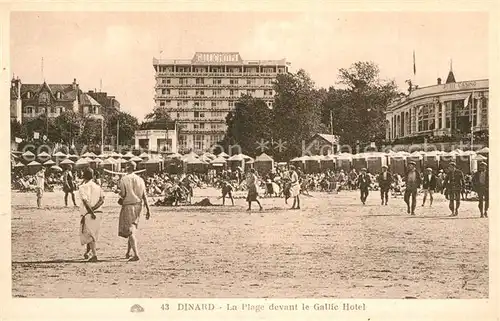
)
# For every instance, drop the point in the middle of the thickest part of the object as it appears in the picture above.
(210, 86)
(216, 74)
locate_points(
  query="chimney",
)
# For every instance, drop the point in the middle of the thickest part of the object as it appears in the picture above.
(75, 85)
(439, 81)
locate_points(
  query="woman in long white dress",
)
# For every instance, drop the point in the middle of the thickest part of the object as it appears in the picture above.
(92, 198)
(252, 181)
(294, 188)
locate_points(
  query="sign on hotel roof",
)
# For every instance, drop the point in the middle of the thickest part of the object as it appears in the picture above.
(216, 57)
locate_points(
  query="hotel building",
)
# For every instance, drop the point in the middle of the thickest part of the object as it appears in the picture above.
(199, 92)
(443, 109)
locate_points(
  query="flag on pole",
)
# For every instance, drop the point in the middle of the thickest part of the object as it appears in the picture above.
(414, 65)
(467, 100)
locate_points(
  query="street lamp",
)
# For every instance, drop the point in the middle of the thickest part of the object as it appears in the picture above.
(100, 117)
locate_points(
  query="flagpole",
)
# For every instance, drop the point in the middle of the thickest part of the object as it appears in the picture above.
(472, 121)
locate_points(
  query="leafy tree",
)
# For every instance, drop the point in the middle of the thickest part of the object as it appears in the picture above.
(68, 127)
(297, 113)
(158, 119)
(358, 109)
(127, 125)
(248, 124)
(17, 130)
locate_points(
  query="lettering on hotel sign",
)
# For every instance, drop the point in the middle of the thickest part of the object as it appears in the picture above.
(219, 57)
(461, 85)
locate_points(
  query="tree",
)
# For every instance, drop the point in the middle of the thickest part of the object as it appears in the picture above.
(249, 124)
(297, 113)
(17, 130)
(158, 119)
(358, 109)
(68, 127)
(127, 125)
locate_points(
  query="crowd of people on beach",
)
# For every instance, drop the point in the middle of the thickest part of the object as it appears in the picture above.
(134, 187)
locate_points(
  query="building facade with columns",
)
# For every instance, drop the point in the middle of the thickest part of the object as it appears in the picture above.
(445, 109)
(199, 92)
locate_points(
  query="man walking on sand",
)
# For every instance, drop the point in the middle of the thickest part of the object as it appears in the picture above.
(132, 199)
(454, 183)
(429, 185)
(480, 183)
(364, 183)
(384, 183)
(412, 180)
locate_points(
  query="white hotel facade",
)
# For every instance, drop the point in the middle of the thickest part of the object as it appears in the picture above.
(199, 92)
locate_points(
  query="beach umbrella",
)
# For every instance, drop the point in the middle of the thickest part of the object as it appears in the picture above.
(174, 155)
(119, 155)
(114, 154)
(238, 157)
(43, 155)
(81, 162)
(56, 168)
(129, 155)
(60, 155)
(219, 160)
(73, 156)
(67, 161)
(34, 163)
(49, 163)
(136, 159)
(98, 160)
(19, 165)
(27, 156)
(144, 155)
(223, 155)
(209, 155)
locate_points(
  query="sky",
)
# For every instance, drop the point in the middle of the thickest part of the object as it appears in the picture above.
(118, 48)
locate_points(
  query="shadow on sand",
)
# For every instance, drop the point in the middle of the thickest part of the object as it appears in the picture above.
(61, 261)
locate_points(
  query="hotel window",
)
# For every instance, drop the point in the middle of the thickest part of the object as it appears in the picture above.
(251, 81)
(28, 95)
(268, 70)
(200, 92)
(168, 81)
(217, 92)
(250, 92)
(440, 116)
(162, 103)
(233, 92)
(183, 141)
(268, 92)
(426, 117)
(213, 126)
(199, 104)
(163, 81)
(180, 69)
(268, 81)
(200, 81)
(182, 103)
(217, 81)
(484, 112)
(58, 95)
(183, 92)
(198, 114)
(199, 70)
(216, 104)
(281, 70)
(198, 142)
(231, 104)
(251, 70)
(233, 81)
(183, 81)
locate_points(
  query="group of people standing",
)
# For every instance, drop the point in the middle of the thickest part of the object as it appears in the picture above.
(133, 197)
(453, 183)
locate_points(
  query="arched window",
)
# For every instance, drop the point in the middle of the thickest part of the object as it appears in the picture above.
(58, 95)
(28, 95)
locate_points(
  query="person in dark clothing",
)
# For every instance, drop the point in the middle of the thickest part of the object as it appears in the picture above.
(454, 183)
(480, 184)
(384, 183)
(69, 185)
(364, 183)
(412, 184)
(429, 183)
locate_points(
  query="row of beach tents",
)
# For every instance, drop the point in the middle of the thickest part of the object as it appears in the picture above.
(467, 161)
